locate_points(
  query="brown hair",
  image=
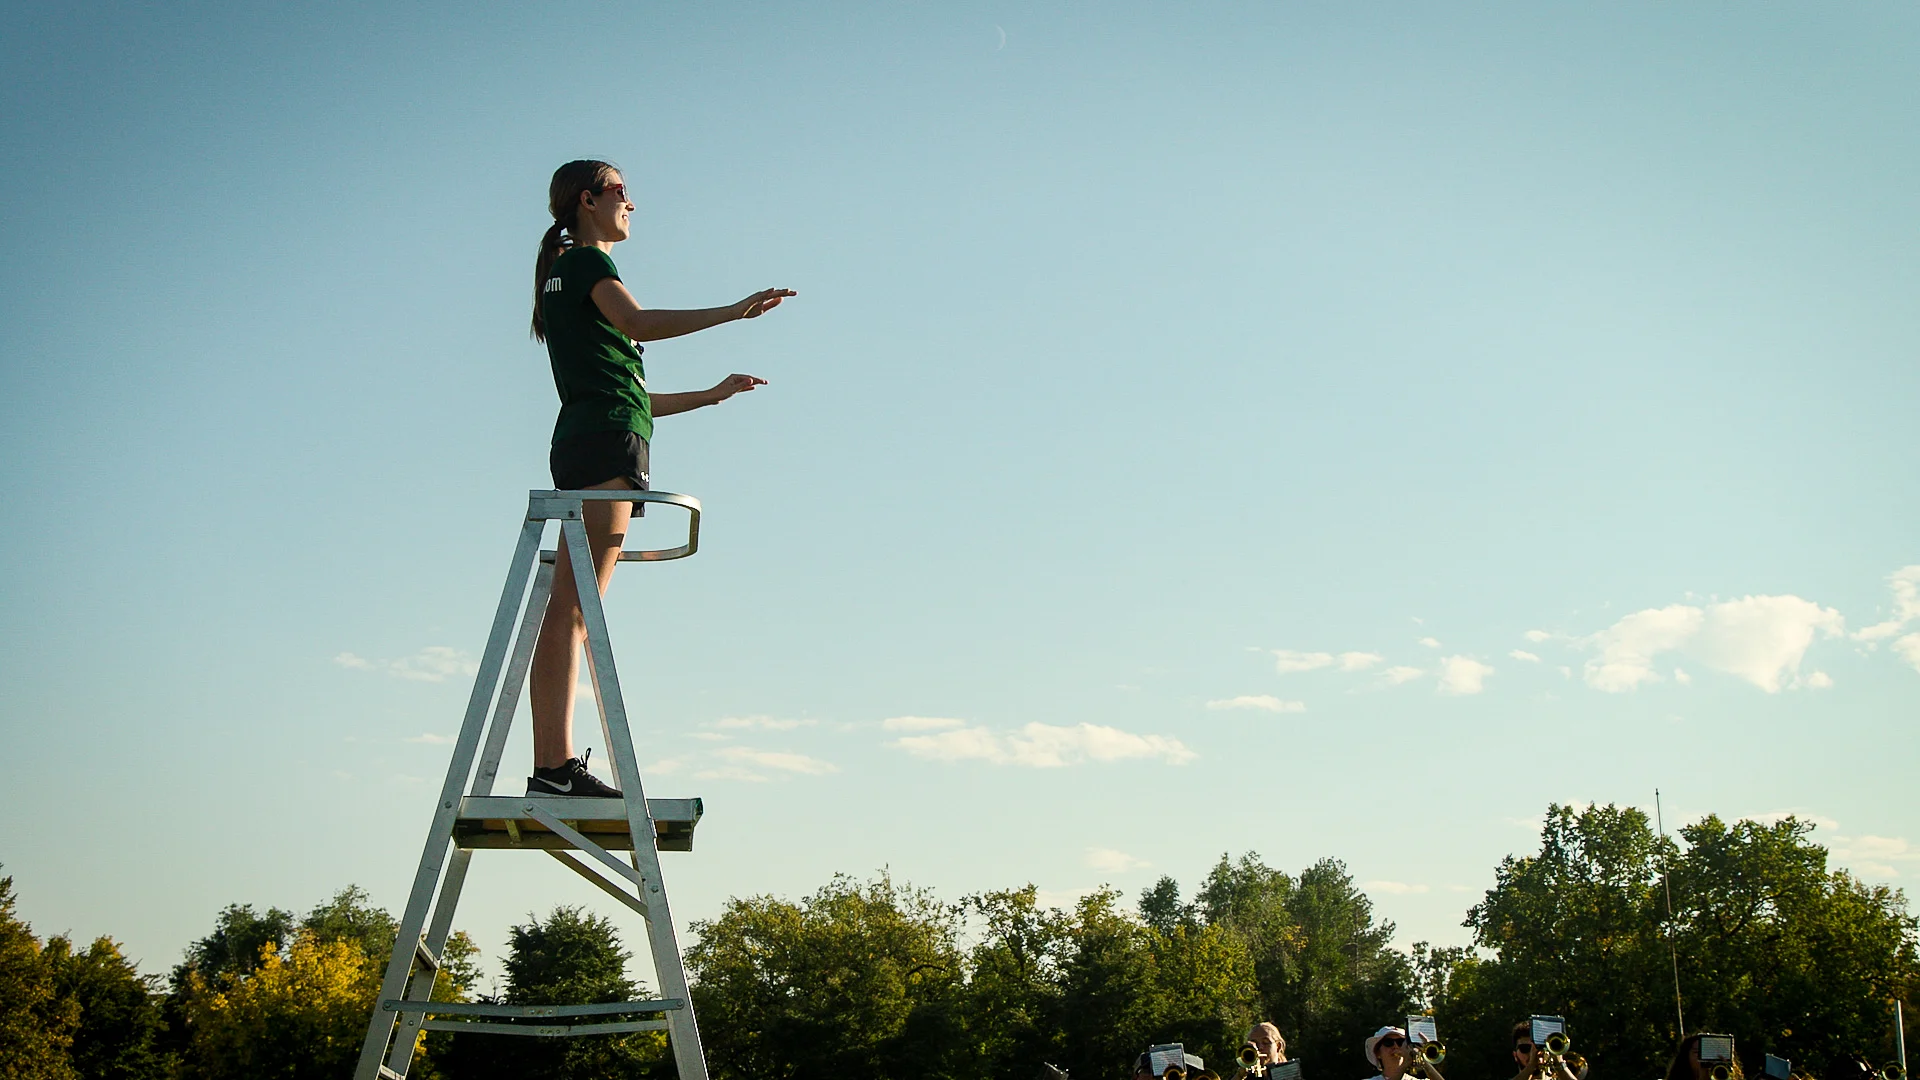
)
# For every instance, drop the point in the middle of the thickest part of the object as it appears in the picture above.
(1521, 1027)
(563, 202)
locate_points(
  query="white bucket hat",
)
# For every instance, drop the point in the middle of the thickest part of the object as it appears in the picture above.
(1373, 1042)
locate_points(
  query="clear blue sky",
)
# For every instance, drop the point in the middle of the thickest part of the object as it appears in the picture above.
(1162, 376)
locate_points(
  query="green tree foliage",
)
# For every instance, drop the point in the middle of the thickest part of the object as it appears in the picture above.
(295, 1016)
(855, 980)
(36, 1022)
(570, 958)
(117, 1035)
(1323, 968)
(1792, 958)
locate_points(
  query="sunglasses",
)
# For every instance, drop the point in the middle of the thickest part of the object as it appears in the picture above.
(619, 191)
(1394, 1041)
(1523, 1048)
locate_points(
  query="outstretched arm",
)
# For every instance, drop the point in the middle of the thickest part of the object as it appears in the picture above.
(668, 404)
(641, 324)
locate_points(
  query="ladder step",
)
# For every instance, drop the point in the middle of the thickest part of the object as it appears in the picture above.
(425, 956)
(500, 821)
(549, 1031)
(389, 1074)
(521, 1012)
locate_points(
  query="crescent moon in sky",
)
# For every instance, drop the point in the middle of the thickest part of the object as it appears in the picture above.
(1003, 38)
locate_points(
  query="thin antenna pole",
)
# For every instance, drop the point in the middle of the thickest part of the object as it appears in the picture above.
(1666, 882)
(1900, 1033)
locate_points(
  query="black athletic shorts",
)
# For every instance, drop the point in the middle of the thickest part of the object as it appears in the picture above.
(581, 461)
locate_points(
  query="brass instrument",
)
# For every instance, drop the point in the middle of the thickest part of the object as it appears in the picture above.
(1206, 1074)
(1554, 1053)
(1251, 1062)
(1892, 1071)
(1420, 1055)
(1721, 1071)
(1174, 1072)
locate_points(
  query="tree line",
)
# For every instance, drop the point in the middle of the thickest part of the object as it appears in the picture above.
(879, 978)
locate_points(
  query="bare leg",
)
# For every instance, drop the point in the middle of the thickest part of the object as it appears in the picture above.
(556, 653)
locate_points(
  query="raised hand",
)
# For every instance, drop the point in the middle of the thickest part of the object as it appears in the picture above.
(763, 301)
(734, 384)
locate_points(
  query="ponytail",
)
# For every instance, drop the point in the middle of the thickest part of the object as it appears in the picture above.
(563, 202)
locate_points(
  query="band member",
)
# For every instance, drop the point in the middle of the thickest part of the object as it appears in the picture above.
(1686, 1063)
(593, 328)
(1530, 1060)
(1267, 1044)
(1390, 1053)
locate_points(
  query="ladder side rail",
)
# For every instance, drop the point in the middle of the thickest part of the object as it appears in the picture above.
(420, 986)
(439, 837)
(683, 1030)
(517, 668)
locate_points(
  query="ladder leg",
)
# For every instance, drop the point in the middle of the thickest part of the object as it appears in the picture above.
(682, 1030)
(439, 837)
(516, 680)
(420, 985)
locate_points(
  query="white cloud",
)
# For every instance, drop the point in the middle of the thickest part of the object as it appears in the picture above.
(1538, 636)
(1286, 661)
(1259, 701)
(435, 663)
(430, 739)
(776, 759)
(921, 723)
(1522, 654)
(1628, 646)
(759, 723)
(1358, 661)
(1044, 746)
(1874, 856)
(1396, 887)
(1680, 676)
(1397, 675)
(1761, 639)
(731, 772)
(1064, 899)
(709, 736)
(1909, 650)
(1819, 680)
(664, 767)
(1110, 861)
(1905, 583)
(1431, 643)
(1462, 675)
(1774, 817)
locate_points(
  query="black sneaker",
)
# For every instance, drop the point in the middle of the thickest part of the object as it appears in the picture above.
(570, 778)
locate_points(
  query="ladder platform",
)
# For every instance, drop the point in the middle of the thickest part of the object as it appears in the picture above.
(502, 821)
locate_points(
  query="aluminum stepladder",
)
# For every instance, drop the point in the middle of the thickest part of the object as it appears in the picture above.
(558, 825)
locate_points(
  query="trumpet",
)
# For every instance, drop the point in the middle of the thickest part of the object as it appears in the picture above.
(1554, 1054)
(1421, 1055)
(1722, 1070)
(1250, 1060)
(1892, 1071)
(1575, 1063)
(1174, 1072)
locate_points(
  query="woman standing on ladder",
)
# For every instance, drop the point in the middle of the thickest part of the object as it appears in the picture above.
(593, 326)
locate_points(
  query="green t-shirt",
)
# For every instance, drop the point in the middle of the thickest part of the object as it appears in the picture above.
(596, 368)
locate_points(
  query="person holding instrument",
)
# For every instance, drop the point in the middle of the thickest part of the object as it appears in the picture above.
(1390, 1052)
(1531, 1061)
(1686, 1063)
(1263, 1049)
(593, 328)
